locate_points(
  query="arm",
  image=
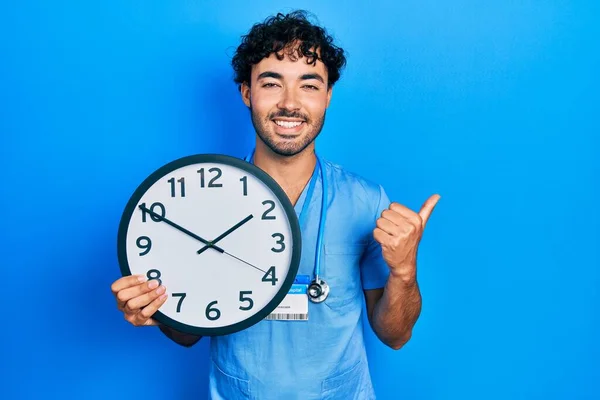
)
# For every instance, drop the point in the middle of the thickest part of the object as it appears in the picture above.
(394, 310)
(183, 339)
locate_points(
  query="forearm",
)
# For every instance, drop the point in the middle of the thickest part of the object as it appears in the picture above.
(397, 311)
(184, 339)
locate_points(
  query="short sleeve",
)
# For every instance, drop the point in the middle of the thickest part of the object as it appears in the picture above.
(373, 268)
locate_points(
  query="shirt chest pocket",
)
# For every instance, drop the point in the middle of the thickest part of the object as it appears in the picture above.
(341, 271)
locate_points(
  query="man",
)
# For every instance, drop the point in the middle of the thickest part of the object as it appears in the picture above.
(286, 69)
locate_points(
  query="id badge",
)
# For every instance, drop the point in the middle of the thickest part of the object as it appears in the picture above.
(294, 306)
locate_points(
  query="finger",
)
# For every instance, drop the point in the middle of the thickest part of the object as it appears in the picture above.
(143, 317)
(125, 295)
(136, 303)
(428, 207)
(393, 217)
(126, 282)
(388, 226)
(382, 237)
(403, 211)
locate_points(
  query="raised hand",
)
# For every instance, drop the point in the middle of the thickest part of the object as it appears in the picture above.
(399, 231)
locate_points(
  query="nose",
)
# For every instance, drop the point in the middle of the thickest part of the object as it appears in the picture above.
(289, 100)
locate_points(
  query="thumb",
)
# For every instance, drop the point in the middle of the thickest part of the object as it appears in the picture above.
(428, 207)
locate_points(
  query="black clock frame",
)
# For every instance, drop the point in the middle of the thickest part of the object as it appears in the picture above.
(251, 169)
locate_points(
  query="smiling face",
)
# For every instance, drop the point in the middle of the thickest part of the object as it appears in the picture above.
(287, 99)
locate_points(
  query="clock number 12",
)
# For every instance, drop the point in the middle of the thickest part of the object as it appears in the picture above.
(211, 183)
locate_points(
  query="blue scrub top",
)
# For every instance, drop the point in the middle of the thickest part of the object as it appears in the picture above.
(324, 357)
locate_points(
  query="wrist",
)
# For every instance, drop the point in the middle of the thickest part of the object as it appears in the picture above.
(405, 279)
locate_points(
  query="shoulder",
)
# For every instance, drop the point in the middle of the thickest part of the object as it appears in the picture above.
(355, 187)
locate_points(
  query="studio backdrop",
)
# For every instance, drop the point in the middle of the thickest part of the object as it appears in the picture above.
(493, 105)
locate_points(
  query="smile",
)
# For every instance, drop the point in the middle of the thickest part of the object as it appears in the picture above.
(288, 124)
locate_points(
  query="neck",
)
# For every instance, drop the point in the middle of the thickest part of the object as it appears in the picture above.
(292, 173)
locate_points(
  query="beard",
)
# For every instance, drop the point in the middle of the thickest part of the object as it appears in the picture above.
(287, 148)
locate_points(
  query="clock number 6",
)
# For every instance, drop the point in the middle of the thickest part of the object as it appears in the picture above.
(215, 311)
(280, 242)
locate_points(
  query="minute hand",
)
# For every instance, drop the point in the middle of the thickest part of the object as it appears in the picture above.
(233, 228)
(182, 229)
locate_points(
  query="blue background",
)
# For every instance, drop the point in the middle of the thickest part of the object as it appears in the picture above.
(494, 105)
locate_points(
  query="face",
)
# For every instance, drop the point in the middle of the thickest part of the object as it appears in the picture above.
(287, 100)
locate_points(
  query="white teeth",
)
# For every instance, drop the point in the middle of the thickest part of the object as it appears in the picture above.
(288, 124)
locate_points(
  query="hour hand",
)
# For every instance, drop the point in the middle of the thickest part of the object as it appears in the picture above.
(233, 228)
(182, 229)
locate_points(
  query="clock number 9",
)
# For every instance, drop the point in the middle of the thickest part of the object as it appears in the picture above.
(156, 276)
(152, 208)
(215, 311)
(147, 246)
(280, 242)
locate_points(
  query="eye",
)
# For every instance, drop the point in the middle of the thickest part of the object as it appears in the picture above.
(269, 85)
(310, 87)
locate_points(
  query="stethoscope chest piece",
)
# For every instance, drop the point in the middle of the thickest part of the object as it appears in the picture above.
(318, 290)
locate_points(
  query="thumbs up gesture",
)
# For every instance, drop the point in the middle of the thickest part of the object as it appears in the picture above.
(399, 231)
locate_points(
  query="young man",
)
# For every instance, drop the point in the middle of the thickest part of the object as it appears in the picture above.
(286, 69)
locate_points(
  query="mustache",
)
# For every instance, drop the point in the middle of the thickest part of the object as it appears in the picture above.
(288, 114)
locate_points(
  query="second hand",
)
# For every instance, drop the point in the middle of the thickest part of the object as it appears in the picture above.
(245, 262)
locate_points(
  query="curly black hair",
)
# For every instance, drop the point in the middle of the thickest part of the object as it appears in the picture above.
(277, 33)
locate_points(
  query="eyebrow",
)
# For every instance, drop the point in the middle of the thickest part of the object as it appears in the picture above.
(275, 75)
(313, 76)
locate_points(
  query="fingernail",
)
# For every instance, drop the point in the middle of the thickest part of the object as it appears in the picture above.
(161, 290)
(153, 283)
(164, 296)
(141, 278)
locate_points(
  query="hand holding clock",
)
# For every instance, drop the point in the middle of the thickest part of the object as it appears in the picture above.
(138, 299)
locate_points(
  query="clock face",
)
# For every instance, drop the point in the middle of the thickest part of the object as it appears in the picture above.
(219, 234)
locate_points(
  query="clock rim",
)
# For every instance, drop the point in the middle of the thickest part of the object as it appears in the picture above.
(259, 174)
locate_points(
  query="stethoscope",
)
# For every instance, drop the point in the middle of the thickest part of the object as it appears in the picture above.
(318, 289)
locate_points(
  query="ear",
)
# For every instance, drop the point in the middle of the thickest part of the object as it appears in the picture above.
(329, 93)
(245, 92)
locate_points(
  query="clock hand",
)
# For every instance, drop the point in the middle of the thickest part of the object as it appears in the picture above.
(233, 228)
(245, 262)
(182, 229)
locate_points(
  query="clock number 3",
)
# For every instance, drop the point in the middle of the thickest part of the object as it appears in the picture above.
(279, 242)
